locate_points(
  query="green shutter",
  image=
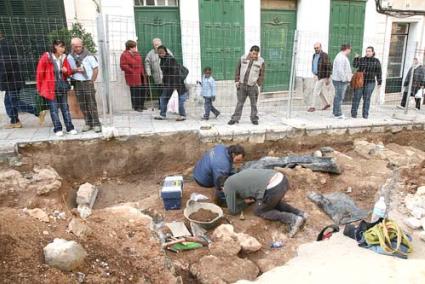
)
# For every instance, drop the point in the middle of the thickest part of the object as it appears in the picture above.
(346, 25)
(222, 35)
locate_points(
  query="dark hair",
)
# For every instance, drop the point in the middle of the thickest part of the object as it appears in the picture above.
(372, 48)
(236, 150)
(163, 48)
(221, 180)
(55, 43)
(207, 69)
(255, 48)
(130, 44)
(345, 46)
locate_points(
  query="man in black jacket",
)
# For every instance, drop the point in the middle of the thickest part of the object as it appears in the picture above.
(417, 83)
(12, 81)
(322, 69)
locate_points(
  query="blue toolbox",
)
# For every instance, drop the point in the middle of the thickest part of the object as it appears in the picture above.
(171, 192)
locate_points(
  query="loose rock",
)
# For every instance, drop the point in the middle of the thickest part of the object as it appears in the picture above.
(45, 180)
(38, 214)
(248, 243)
(317, 154)
(63, 254)
(228, 246)
(79, 228)
(224, 231)
(86, 195)
(413, 223)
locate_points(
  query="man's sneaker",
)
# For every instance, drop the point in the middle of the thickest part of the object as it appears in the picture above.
(205, 118)
(231, 122)
(181, 118)
(59, 133)
(14, 125)
(42, 117)
(97, 129)
(340, 116)
(255, 122)
(86, 128)
(159, 117)
(73, 132)
(312, 109)
(296, 226)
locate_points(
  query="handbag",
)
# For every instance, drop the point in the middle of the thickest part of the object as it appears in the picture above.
(61, 86)
(357, 81)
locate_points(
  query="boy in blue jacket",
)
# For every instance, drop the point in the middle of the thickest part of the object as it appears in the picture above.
(208, 92)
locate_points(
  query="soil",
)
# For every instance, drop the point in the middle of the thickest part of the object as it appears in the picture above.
(132, 171)
(203, 215)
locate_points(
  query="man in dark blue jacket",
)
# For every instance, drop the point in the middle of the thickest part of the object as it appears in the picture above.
(12, 81)
(215, 163)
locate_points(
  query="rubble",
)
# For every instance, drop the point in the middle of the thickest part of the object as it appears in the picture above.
(213, 269)
(38, 214)
(228, 246)
(248, 243)
(45, 180)
(226, 237)
(63, 254)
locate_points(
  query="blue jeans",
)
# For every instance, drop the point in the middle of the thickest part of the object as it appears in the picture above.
(340, 89)
(165, 97)
(60, 102)
(365, 93)
(208, 107)
(13, 106)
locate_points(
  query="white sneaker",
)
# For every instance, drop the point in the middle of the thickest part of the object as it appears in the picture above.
(400, 107)
(73, 132)
(340, 117)
(59, 133)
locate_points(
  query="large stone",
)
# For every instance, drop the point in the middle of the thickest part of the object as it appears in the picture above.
(413, 223)
(38, 214)
(79, 228)
(63, 254)
(216, 270)
(12, 180)
(225, 246)
(45, 180)
(224, 231)
(248, 243)
(86, 195)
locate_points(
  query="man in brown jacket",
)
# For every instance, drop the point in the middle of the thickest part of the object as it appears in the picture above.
(249, 76)
(322, 69)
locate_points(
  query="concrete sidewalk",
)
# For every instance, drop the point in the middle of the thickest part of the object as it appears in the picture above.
(272, 126)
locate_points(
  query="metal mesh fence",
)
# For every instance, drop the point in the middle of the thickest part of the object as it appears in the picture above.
(292, 81)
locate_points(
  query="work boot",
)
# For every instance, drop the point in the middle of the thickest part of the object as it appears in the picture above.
(14, 125)
(296, 226)
(42, 117)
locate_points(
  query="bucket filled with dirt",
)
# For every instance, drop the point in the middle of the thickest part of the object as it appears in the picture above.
(205, 214)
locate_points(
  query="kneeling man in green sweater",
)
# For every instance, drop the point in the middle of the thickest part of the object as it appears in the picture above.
(265, 189)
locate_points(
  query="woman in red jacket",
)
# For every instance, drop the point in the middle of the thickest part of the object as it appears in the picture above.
(132, 64)
(52, 72)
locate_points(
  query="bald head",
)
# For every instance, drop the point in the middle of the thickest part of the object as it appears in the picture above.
(77, 45)
(156, 42)
(317, 47)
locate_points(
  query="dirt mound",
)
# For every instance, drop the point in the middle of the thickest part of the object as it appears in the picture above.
(203, 215)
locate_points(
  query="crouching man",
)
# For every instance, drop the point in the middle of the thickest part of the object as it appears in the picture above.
(265, 189)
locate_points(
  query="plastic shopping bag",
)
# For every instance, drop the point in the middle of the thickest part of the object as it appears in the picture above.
(419, 94)
(173, 103)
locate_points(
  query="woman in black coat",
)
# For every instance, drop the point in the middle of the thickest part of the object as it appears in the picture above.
(417, 83)
(172, 80)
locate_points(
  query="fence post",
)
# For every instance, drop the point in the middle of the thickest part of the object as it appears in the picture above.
(409, 91)
(293, 75)
(104, 63)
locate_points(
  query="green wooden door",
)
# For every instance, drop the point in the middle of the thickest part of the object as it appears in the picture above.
(222, 35)
(346, 25)
(277, 38)
(158, 22)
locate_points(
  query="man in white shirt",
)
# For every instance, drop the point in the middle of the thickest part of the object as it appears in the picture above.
(341, 76)
(85, 69)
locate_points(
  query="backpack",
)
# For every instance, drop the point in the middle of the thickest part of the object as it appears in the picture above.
(183, 72)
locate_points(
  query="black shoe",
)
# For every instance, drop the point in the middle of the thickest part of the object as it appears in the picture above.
(231, 122)
(255, 122)
(216, 115)
(139, 109)
(205, 118)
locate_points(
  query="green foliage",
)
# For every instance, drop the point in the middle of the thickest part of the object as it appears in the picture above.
(76, 30)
